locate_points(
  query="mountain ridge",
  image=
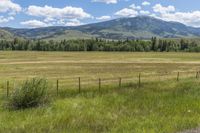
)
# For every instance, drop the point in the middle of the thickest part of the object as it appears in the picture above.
(142, 27)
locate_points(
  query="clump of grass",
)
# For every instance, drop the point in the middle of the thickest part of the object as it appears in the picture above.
(32, 93)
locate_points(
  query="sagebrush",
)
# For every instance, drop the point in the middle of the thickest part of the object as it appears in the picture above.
(32, 93)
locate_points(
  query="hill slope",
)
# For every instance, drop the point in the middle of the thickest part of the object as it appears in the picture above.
(4, 34)
(140, 27)
(122, 28)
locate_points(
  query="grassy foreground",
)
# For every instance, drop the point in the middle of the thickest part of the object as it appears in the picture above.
(156, 107)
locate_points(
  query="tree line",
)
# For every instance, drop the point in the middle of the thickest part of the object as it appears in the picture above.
(157, 45)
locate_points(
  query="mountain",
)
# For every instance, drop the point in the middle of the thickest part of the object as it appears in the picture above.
(143, 27)
(4, 34)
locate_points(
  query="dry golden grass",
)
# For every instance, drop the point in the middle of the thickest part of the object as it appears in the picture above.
(21, 65)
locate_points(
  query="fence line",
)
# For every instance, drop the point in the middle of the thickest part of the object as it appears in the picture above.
(99, 82)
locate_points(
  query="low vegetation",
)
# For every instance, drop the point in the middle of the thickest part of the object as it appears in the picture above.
(156, 107)
(32, 93)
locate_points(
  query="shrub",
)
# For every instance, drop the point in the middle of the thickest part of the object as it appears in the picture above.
(32, 93)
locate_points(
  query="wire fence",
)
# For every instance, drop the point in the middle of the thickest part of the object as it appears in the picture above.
(78, 84)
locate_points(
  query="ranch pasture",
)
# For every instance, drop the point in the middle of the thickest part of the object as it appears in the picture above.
(94, 65)
(161, 104)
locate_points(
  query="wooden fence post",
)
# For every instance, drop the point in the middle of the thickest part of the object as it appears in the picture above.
(178, 76)
(7, 87)
(139, 82)
(57, 86)
(99, 84)
(79, 84)
(120, 82)
(197, 75)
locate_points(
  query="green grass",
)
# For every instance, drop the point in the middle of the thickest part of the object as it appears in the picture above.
(159, 106)
(156, 107)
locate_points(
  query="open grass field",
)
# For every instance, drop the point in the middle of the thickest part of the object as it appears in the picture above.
(160, 105)
(21, 65)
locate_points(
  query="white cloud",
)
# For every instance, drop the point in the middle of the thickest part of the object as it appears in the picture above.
(126, 12)
(104, 18)
(73, 22)
(9, 9)
(106, 1)
(9, 6)
(142, 12)
(131, 11)
(169, 14)
(49, 20)
(161, 9)
(5, 19)
(46, 23)
(146, 3)
(188, 18)
(67, 12)
(68, 16)
(133, 6)
(34, 23)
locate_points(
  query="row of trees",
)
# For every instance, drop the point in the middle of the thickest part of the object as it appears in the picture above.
(159, 45)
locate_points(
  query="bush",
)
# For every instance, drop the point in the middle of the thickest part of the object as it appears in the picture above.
(31, 94)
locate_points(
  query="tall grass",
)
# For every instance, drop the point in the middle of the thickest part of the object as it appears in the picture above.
(155, 107)
(32, 93)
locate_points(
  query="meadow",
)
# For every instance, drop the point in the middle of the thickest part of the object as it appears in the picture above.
(160, 105)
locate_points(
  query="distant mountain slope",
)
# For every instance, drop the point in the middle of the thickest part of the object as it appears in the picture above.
(70, 34)
(5, 35)
(122, 28)
(139, 27)
(37, 32)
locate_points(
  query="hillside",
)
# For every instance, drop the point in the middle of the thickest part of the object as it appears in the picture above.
(138, 27)
(5, 35)
(69, 34)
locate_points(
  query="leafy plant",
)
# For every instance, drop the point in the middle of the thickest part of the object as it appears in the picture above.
(32, 93)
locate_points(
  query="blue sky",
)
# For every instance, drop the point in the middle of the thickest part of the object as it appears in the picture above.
(41, 13)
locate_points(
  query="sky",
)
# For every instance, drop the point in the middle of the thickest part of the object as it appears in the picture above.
(43, 13)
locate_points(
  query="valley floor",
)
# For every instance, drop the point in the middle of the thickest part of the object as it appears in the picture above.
(161, 104)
